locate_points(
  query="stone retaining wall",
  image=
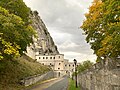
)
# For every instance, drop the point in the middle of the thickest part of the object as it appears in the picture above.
(33, 79)
(102, 76)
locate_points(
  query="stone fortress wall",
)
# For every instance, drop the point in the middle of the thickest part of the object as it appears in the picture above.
(33, 79)
(104, 75)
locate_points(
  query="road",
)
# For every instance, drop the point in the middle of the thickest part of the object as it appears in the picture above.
(57, 84)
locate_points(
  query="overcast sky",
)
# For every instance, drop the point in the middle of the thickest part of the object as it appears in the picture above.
(63, 19)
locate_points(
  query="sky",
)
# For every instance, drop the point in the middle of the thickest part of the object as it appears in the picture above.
(63, 19)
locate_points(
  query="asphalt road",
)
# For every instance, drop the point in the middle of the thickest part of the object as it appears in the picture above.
(60, 85)
(57, 84)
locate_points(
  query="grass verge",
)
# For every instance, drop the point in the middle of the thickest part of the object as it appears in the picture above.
(72, 85)
(12, 71)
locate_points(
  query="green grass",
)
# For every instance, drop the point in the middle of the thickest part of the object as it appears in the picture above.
(72, 85)
(11, 71)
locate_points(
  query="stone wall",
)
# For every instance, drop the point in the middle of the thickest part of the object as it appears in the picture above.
(33, 79)
(104, 75)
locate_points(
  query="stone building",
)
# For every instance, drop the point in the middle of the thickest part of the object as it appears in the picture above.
(57, 62)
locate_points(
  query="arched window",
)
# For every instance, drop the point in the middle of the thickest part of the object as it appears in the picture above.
(59, 74)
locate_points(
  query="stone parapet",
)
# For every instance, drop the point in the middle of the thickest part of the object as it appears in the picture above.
(104, 75)
(33, 79)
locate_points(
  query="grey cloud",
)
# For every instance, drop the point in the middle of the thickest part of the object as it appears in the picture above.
(63, 19)
(75, 48)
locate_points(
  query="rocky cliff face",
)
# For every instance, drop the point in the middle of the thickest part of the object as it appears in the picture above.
(44, 44)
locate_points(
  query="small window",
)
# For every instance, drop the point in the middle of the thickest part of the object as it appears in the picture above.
(54, 58)
(46, 57)
(59, 56)
(73, 65)
(42, 63)
(39, 57)
(50, 63)
(43, 57)
(50, 57)
(65, 65)
(58, 68)
(59, 63)
(69, 65)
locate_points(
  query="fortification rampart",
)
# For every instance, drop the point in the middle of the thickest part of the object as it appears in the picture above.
(104, 75)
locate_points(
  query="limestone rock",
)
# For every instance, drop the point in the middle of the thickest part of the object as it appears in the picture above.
(44, 44)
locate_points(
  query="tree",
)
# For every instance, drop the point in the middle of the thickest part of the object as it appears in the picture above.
(15, 36)
(17, 7)
(84, 66)
(102, 27)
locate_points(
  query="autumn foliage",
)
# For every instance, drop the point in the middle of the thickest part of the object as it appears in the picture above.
(102, 27)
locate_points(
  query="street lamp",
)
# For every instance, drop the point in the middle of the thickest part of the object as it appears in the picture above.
(75, 62)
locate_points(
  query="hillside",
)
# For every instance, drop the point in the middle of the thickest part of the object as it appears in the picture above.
(12, 71)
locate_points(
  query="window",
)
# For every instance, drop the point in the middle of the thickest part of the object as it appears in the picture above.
(59, 56)
(73, 65)
(50, 57)
(50, 64)
(43, 64)
(39, 57)
(46, 57)
(43, 57)
(54, 58)
(59, 63)
(66, 71)
(69, 65)
(65, 65)
(58, 68)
